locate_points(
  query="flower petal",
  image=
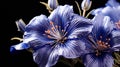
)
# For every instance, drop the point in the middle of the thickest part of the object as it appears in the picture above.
(112, 3)
(41, 56)
(61, 15)
(108, 60)
(38, 23)
(71, 49)
(53, 58)
(19, 46)
(116, 40)
(104, 60)
(102, 26)
(79, 26)
(36, 28)
(112, 10)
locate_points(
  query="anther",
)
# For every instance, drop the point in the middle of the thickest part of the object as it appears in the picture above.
(118, 24)
(47, 32)
(56, 26)
(51, 23)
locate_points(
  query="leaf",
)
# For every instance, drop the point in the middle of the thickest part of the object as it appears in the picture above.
(117, 61)
(115, 65)
(117, 56)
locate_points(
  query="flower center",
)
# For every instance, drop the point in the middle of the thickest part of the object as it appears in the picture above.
(99, 46)
(102, 45)
(55, 32)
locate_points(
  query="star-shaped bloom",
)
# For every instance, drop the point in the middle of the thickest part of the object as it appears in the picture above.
(101, 43)
(57, 35)
(112, 9)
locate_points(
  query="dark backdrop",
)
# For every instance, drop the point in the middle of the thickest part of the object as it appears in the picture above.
(10, 11)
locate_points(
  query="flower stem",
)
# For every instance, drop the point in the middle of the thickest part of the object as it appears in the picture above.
(78, 7)
(88, 14)
(84, 11)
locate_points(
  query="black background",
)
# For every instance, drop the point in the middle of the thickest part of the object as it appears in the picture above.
(10, 11)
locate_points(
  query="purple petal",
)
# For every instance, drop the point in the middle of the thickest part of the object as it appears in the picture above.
(19, 46)
(52, 4)
(38, 24)
(61, 15)
(112, 3)
(53, 58)
(116, 40)
(102, 24)
(91, 60)
(41, 56)
(36, 28)
(108, 61)
(79, 26)
(112, 10)
(71, 49)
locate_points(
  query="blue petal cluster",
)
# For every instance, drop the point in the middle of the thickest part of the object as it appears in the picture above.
(70, 35)
(57, 35)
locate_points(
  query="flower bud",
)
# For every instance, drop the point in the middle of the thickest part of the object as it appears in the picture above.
(52, 4)
(86, 4)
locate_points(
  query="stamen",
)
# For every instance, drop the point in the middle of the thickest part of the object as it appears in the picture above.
(118, 24)
(51, 23)
(47, 32)
(49, 36)
(102, 45)
(56, 26)
(55, 32)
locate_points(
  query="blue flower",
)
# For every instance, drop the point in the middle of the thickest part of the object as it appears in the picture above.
(101, 43)
(112, 10)
(57, 35)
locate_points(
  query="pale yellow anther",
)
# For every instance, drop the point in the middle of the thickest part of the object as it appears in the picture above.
(53, 28)
(48, 31)
(51, 23)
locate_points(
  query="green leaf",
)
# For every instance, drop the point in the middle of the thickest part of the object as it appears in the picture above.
(115, 65)
(117, 56)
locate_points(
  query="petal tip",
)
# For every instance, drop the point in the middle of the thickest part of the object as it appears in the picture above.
(12, 49)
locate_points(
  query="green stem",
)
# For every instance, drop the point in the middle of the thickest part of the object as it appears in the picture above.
(88, 14)
(84, 11)
(78, 7)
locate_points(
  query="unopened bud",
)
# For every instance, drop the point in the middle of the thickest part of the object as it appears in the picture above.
(52, 4)
(86, 4)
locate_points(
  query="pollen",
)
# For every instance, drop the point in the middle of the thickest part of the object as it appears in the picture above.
(102, 44)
